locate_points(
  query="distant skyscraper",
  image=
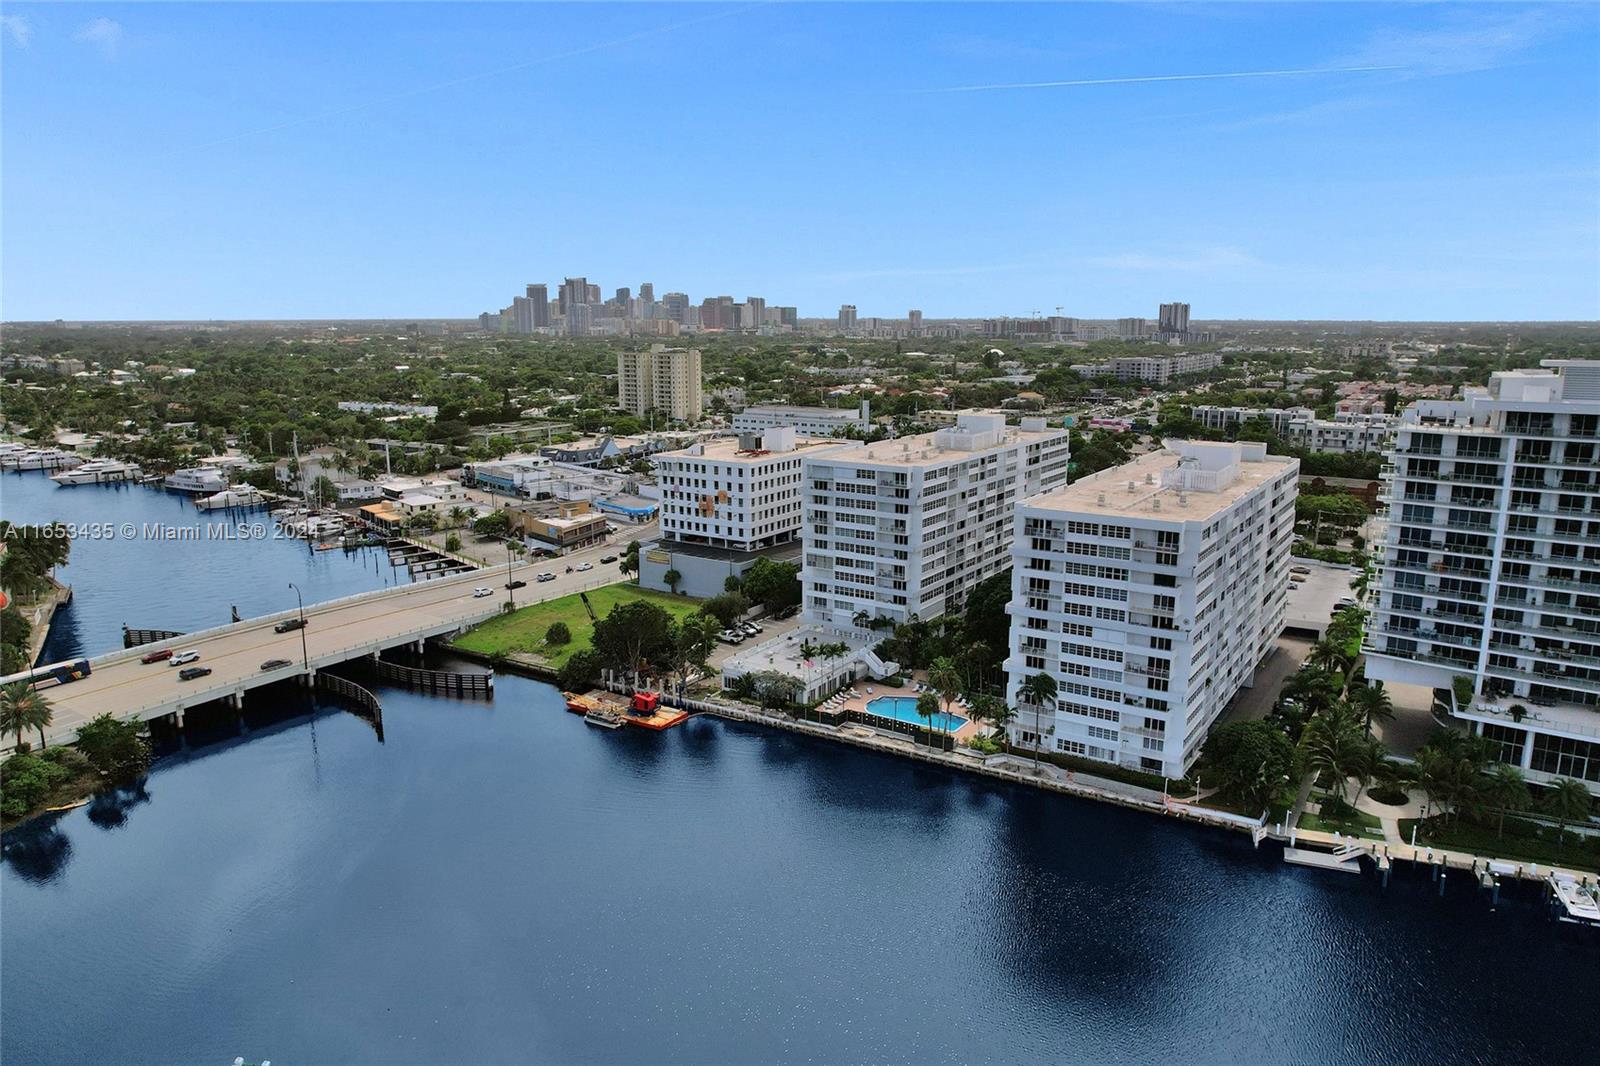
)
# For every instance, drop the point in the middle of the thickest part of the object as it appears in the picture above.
(522, 312)
(757, 308)
(574, 291)
(915, 318)
(847, 317)
(594, 294)
(1133, 328)
(1174, 318)
(789, 316)
(623, 297)
(675, 307)
(662, 379)
(580, 317)
(647, 292)
(540, 295)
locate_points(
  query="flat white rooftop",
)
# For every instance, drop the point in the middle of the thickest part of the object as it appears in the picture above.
(1151, 486)
(730, 450)
(941, 446)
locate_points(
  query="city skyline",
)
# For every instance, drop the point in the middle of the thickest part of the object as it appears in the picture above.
(1344, 162)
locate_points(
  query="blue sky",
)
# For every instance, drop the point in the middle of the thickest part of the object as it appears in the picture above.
(323, 160)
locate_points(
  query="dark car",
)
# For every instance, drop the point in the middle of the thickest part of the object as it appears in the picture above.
(289, 625)
(157, 656)
(515, 584)
(189, 673)
(274, 664)
(788, 612)
(608, 558)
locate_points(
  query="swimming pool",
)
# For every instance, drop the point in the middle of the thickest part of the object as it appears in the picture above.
(904, 709)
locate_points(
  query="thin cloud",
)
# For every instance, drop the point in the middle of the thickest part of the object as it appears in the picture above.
(1151, 78)
(102, 33)
(1309, 113)
(480, 76)
(1468, 44)
(18, 28)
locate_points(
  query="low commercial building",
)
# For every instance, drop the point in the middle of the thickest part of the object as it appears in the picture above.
(1161, 369)
(805, 421)
(571, 525)
(1149, 592)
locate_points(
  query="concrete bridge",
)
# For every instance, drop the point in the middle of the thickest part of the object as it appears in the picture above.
(336, 631)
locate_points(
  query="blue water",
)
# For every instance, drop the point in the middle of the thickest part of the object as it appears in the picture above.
(148, 583)
(904, 709)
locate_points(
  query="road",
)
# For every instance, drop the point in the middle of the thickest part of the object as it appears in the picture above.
(335, 632)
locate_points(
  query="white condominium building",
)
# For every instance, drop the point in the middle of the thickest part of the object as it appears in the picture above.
(1300, 426)
(906, 527)
(1490, 565)
(1221, 418)
(1149, 592)
(1161, 368)
(662, 379)
(736, 492)
(815, 421)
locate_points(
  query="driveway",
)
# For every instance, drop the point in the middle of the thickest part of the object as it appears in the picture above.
(1252, 704)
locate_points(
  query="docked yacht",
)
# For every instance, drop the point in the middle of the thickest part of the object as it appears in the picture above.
(39, 459)
(239, 497)
(310, 524)
(197, 479)
(98, 472)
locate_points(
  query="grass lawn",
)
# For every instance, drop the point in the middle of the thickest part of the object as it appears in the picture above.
(1523, 841)
(523, 630)
(1364, 824)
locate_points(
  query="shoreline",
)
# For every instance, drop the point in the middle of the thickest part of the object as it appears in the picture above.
(41, 614)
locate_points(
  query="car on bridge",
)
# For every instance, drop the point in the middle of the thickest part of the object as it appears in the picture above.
(189, 673)
(509, 585)
(184, 657)
(481, 591)
(608, 558)
(546, 576)
(585, 566)
(157, 656)
(275, 664)
(289, 625)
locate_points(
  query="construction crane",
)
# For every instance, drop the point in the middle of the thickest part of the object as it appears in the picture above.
(587, 606)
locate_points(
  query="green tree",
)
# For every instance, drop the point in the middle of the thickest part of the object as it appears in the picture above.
(117, 749)
(928, 709)
(946, 680)
(632, 637)
(497, 524)
(558, 634)
(1039, 692)
(629, 563)
(581, 671)
(772, 584)
(1505, 789)
(672, 578)
(1332, 746)
(1251, 762)
(1567, 800)
(452, 543)
(726, 607)
(22, 707)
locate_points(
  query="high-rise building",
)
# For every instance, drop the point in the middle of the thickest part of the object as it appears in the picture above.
(540, 295)
(915, 321)
(647, 292)
(1132, 329)
(522, 310)
(789, 316)
(574, 291)
(847, 317)
(675, 306)
(580, 320)
(594, 294)
(1161, 369)
(742, 493)
(1174, 319)
(755, 313)
(907, 527)
(1490, 564)
(1149, 592)
(662, 379)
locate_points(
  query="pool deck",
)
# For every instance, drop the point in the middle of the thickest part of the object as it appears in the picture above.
(864, 692)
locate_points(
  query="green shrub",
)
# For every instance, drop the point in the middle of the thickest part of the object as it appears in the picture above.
(558, 633)
(115, 748)
(1392, 797)
(26, 781)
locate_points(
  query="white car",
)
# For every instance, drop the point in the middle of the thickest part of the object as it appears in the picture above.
(481, 591)
(546, 576)
(750, 629)
(585, 566)
(729, 636)
(184, 657)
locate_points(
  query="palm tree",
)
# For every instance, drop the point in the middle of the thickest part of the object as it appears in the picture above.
(23, 708)
(1506, 789)
(1040, 691)
(672, 578)
(945, 678)
(927, 707)
(1332, 746)
(1327, 655)
(1373, 702)
(1569, 801)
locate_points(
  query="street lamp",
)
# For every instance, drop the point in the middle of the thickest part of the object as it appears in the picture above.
(305, 656)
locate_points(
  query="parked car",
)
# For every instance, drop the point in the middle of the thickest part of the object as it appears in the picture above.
(509, 584)
(788, 612)
(184, 657)
(750, 629)
(275, 664)
(1344, 605)
(728, 636)
(547, 576)
(608, 558)
(189, 673)
(157, 656)
(481, 591)
(585, 566)
(1299, 569)
(289, 625)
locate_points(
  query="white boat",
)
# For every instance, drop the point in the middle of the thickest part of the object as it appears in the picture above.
(40, 459)
(197, 479)
(239, 496)
(98, 472)
(311, 525)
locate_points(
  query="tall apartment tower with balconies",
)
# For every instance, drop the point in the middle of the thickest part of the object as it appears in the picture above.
(666, 380)
(1490, 564)
(1149, 592)
(907, 527)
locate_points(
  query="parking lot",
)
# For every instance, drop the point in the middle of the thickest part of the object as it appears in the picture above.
(1310, 604)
